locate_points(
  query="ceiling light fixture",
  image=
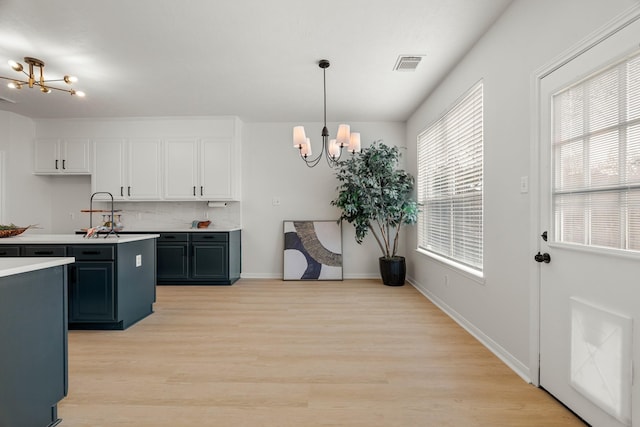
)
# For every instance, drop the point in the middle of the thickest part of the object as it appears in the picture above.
(332, 149)
(43, 84)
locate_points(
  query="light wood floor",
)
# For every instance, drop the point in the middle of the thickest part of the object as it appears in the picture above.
(296, 354)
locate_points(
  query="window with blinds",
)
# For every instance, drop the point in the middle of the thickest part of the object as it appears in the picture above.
(450, 189)
(596, 159)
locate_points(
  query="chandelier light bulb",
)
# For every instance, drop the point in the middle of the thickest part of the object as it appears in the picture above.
(70, 79)
(15, 65)
(45, 89)
(14, 85)
(334, 149)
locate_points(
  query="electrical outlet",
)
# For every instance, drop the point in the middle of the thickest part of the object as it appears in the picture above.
(275, 201)
(72, 215)
(139, 260)
(524, 184)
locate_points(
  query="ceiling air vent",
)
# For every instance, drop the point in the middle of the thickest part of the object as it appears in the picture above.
(407, 63)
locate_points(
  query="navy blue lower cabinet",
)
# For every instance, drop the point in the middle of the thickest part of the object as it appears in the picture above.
(33, 353)
(199, 258)
(92, 292)
(210, 261)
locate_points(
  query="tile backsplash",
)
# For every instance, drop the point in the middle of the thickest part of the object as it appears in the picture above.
(172, 214)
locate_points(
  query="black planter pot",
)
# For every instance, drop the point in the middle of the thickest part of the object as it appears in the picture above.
(393, 270)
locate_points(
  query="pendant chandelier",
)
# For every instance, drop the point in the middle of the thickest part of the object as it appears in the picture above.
(45, 87)
(331, 148)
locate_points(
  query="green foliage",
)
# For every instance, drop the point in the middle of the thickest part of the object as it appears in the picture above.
(374, 195)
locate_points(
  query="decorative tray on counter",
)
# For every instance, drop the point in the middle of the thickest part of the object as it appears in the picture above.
(12, 230)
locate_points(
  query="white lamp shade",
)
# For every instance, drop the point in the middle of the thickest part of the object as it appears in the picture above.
(343, 136)
(299, 137)
(334, 149)
(305, 150)
(354, 142)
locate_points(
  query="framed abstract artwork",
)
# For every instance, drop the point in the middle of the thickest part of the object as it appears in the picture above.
(312, 250)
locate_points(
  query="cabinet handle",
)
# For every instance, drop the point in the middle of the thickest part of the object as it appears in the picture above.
(121, 191)
(56, 164)
(43, 252)
(169, 237)
(207, 237)
(129, 191)
(63, 164)
(90, 252)
(201, 190)
(194, 190)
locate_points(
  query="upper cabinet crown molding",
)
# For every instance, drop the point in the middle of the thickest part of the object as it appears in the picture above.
(62, 156)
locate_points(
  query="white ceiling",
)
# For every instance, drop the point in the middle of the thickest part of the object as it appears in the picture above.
(256, 59)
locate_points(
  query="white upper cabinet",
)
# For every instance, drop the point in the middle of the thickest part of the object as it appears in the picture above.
(181, 169)
(128, 169)
(109, 167)
(217, 169)
(62, 156)
(144, 169)
(147, 159)
(201, 169)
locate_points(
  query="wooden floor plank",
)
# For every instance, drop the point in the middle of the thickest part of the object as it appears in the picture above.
(304, 354)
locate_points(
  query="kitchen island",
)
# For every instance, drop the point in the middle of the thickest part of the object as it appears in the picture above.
(112, 282)
(33, 333)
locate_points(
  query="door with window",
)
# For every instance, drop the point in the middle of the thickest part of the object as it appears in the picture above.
(590, 210)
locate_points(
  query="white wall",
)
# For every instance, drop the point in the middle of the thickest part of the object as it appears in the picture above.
(27, 199)
(271, 167)
(529, 35)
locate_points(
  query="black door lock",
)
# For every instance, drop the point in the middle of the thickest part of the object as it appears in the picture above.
(545, 257)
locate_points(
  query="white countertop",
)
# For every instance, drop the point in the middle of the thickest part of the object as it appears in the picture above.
(73, 239)
(12, 266)
(179, 229)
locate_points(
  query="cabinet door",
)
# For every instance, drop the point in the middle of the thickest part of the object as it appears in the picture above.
(180, 177)
(210, 261)
(172, 261)
(74, 155)
(91, 292)
(108, 167)
(144, 169)
(46, 154)
(216, 169)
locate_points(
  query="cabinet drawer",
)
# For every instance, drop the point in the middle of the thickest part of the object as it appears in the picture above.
(9, 250)
(173, 237)
(89, 253)
(209, 237)
(45, 251)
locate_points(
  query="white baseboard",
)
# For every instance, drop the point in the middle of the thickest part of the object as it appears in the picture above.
(516, 365)
(279, 276)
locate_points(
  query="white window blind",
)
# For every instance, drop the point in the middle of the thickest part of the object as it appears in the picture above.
(596, 159)
(450, 162)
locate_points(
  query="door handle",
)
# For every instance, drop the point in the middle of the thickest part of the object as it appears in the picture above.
(545, 257)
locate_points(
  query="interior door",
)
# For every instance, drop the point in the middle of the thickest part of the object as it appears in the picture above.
(589, 293)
